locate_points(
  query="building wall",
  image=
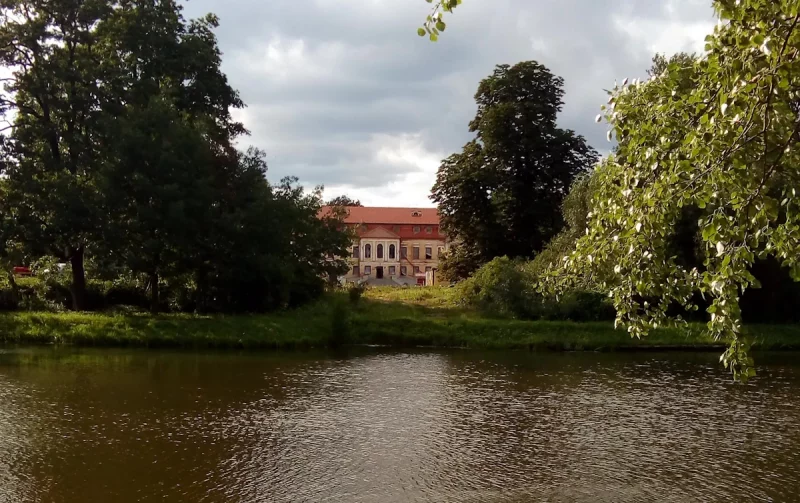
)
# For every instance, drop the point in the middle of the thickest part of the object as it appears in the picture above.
(437, 247)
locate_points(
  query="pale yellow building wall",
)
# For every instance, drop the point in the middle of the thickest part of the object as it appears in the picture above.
(438, 247)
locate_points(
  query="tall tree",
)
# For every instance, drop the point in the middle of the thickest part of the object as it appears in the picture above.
(78, 67)
(726, 145)
(501, 195)
(157, 193)
(54, 147)
(267, 248)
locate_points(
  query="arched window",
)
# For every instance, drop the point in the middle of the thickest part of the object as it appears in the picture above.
(367, 251)
(380, 251)
(392, 252)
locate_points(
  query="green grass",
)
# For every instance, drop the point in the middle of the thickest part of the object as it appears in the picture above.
(434, 297)
(399, 317)
(402, 318)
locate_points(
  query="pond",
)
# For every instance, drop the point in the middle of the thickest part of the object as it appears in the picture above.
(371, 426)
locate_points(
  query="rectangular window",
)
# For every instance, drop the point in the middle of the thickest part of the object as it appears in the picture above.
(367, 270)
(356, 271)
(427, 268)
(428, 253)
(439, 252)
(392, 270)
(355, 251)
(416, 269)
(403, 270)
(416, 253)
(404, 252)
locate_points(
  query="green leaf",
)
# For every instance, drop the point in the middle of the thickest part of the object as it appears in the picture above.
(421, 32)
(440, 26)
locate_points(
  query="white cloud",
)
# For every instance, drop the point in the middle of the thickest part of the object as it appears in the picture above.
(406, 155)
(664, 37)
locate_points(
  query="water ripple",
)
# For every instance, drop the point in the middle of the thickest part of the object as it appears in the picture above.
(435, 427)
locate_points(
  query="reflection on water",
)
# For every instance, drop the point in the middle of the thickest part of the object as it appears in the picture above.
(127, 426)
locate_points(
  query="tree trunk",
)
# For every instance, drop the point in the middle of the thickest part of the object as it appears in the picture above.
(78, 287)
(154, 300)
(14, 289)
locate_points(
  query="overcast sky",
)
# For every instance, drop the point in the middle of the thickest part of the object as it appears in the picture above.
(343, 93)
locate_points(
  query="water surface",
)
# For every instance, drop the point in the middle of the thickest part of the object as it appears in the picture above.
(130, 426)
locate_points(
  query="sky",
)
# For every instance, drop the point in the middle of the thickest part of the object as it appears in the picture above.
(343, 93)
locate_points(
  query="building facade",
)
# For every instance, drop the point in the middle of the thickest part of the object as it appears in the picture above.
(395, 245)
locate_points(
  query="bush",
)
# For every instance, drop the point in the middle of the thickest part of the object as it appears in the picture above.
(500, 287)
(577, 306)
(504, 287)
(355, 292)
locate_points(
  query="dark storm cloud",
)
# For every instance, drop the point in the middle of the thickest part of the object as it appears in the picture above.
(338, 90)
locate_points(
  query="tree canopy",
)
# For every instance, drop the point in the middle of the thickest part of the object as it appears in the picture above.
(501, 195)
(724, 144)
(343, 201)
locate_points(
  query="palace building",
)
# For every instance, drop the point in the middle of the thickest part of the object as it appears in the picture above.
(395, 246)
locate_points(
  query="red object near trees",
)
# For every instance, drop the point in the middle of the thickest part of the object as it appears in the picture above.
(22, 271)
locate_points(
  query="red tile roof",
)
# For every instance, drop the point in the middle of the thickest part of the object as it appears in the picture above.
(391, 216)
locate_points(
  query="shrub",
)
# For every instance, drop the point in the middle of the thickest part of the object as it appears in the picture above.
(577, 306)
(500, 287)
(355, 292)
(504, 287)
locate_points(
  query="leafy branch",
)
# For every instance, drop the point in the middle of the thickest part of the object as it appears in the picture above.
(434, 23)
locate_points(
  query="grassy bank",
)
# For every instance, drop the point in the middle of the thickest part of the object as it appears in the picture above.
(415, 320)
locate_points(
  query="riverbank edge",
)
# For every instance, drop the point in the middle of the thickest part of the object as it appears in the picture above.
(374, 324)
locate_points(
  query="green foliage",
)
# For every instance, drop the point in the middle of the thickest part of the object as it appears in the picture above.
(78, 68)
(343, 201)
(576, 305)
(575, 211)
(499, 288)
(461, 261)
(121, 164)
(355, 292)
(508, 288)
(158, 192)
(434, 24)
(725, 145)
(501, 195)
